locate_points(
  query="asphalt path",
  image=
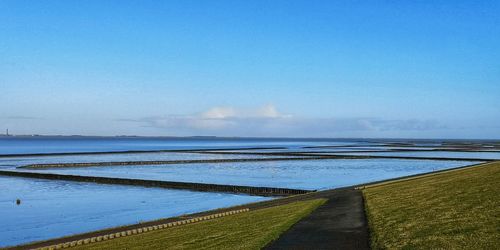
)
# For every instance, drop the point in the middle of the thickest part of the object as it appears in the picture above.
(340, 223)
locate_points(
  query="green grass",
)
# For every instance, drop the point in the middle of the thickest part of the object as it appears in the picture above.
(249, 230)
(452, 210)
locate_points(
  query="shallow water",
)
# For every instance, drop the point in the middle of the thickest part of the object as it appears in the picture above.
(58, 144)
(11, 162)
(51, 209)
(306, 150)
(310, 174)
(444, 154)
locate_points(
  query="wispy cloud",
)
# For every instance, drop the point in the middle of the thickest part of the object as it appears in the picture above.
(266, 111)
(268, 121)
(19, 117)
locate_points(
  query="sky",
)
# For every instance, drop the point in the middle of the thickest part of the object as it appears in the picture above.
(399, 69)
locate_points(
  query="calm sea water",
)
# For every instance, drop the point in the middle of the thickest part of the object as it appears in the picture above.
(17, 161)
(312, 174)
(51, 209)
(440, 154)
(66, 144)
(63, 144)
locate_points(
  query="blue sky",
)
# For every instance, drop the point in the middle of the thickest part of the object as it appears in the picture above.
(419, 69)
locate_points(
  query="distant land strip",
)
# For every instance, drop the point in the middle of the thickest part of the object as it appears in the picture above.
(192, 186)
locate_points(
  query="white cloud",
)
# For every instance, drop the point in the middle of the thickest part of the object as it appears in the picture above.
(219, 113)
(270, 111)
(268, 121)
(20, 117)
(266, 111)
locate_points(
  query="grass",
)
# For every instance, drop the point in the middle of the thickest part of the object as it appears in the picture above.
(250, 230)
(451, 210)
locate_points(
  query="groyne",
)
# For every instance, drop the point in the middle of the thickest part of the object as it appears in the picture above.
(128, 163)
(201, 187)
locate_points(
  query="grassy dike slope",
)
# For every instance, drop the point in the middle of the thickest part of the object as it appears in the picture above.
(250, 230)
(459, 209)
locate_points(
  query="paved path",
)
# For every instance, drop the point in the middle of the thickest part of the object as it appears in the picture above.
(338, 224)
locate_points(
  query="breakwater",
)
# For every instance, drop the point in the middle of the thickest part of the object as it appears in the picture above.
(201, 187)
(128, 163)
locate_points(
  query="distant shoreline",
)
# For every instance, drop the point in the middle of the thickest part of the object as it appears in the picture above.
(202, 137)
